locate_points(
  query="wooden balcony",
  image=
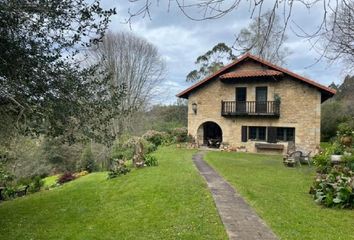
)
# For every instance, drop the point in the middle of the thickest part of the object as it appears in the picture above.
(250, 108)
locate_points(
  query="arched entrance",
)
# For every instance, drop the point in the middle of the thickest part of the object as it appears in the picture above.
(210, 134)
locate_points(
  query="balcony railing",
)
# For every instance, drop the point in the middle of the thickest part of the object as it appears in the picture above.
(250, 108)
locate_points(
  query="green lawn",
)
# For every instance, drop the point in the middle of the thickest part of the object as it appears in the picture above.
(280, 196)
(325, 145)
(170, 201)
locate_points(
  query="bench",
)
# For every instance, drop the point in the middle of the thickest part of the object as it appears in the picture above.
(18, 193)
(22, 192)
(270, 146)
(1, 189)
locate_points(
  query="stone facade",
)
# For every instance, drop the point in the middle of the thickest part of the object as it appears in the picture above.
(300, 108)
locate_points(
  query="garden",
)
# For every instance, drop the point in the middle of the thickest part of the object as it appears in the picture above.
(334, 182)
(314, 202)
(280, 196)
(170, 201)
(152, 178)
(127, 153)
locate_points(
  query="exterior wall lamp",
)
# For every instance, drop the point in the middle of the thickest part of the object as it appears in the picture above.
(194, 108)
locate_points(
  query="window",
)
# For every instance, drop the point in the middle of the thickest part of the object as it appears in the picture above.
(285, 134)
(270, 134)
(257, 133)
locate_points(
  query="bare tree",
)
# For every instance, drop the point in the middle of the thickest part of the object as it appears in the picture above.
(338, 37)
(263, 39)
(132, 63)
(328, 28)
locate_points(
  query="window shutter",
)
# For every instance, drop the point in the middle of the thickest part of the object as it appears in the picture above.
(244, 134)
(272, 134)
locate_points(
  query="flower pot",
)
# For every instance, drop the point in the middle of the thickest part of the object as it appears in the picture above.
(336, 158)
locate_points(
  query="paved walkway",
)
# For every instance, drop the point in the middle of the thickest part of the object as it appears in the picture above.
(240, 221)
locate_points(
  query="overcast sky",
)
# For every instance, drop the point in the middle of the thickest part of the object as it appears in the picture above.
(181, 40)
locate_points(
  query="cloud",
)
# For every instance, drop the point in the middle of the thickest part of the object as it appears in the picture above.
(181, 40)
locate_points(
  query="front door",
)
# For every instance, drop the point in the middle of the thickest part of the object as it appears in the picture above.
(241, 96)
(261, 99)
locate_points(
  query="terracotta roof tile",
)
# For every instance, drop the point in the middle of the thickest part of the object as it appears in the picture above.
(251, 73)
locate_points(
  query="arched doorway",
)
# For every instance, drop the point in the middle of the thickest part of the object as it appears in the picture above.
(210, 134)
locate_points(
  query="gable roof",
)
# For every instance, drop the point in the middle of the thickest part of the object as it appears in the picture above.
(326, 91)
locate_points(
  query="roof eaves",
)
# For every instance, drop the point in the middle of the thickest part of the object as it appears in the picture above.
(328, 90)
(284, 70)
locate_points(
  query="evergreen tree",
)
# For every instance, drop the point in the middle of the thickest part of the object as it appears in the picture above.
(87, 160)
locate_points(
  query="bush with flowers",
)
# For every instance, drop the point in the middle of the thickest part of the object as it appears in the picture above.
(335, 189)
(80, 174)
(334, 183)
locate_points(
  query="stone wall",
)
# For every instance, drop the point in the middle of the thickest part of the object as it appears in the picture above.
(300, 108)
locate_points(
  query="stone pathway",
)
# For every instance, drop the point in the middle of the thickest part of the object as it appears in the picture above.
(240, 221)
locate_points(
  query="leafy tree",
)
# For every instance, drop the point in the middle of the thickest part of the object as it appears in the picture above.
(165, 118)
(58, 156)
(210, 62)
(339, 109)
(330, 121)
(264, 39)
(159, 117)
(43, 86)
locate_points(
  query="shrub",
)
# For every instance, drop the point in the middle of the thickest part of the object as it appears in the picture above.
(8, 193)
(348, 160)
(337, 148)
(155, 137)
(87, 160)
(180, 134)
(119, 171)
(322, 161)
(191, 139)
(344, 129)
(81, 174)
(118, 168)
(123, 148)
(150, 160)
(5, 176)
(66, 177)
(335, 189)
(61, 157)
(36, 184)
(149, 147)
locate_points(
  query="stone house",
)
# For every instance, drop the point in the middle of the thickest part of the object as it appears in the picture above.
(256, 106)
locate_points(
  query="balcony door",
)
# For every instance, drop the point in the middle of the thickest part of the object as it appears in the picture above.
(241, 96)
(261, 99)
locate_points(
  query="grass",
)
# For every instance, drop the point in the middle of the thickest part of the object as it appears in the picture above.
(170, 201)
(280, 196)
(325, 145)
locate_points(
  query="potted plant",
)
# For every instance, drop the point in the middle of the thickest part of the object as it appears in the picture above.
(277, 98)
(337, 150)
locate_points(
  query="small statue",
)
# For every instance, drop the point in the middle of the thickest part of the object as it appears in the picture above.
(138, 158)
